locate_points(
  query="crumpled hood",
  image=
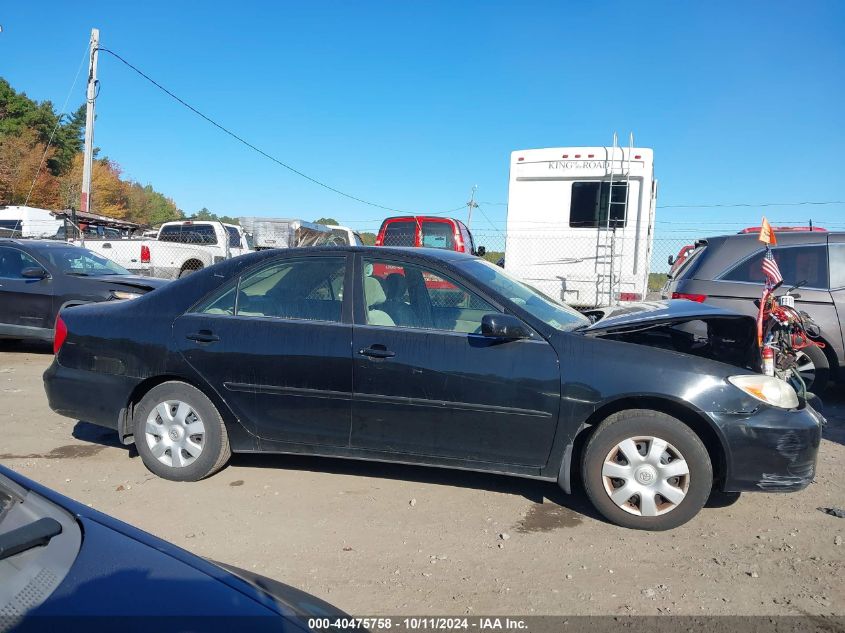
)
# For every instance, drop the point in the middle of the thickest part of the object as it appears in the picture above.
(131, 282)
(646, 313)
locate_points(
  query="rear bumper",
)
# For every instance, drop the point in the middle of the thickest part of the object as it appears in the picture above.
(771, 450)
(88, 396)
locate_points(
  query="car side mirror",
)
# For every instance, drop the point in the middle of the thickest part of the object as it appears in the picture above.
(481, 251)
(504, 326)
(34, 272)
(671, 260)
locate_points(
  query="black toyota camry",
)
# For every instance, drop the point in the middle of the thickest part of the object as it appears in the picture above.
(38, 278)
(438, 358)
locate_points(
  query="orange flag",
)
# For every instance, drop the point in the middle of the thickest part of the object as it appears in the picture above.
(767, 235)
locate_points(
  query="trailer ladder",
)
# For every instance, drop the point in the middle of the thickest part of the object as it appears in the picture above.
(610, 248)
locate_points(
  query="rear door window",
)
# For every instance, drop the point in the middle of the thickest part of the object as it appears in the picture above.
(234, 237)
(400, 233)
(689, 267)
(310, 289)
(188, 234)
(806, 265)
(438, 235)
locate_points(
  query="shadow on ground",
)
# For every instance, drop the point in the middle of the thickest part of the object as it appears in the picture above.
(572, 508)
(26, 347)
(833, 401)
(87, 432)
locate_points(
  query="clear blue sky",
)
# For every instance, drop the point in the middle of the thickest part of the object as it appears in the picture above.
(409, 104)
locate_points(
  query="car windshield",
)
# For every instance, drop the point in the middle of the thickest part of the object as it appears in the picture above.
(558, 315)
(73, 260)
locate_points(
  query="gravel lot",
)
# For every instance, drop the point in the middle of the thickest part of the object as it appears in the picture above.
(399, 540)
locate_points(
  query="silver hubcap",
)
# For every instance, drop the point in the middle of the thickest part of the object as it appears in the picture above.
(175, 433)
(645, 476)
(806, 368)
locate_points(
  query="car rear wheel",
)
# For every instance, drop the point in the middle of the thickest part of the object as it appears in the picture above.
(646, 470)
(179, 433)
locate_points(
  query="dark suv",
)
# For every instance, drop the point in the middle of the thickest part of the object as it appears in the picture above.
(726, 271)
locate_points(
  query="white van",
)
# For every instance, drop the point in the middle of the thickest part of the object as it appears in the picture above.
(19, 221)
(581, 222)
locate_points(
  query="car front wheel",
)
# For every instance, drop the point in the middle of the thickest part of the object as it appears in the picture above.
(179, 433)
(646, 470)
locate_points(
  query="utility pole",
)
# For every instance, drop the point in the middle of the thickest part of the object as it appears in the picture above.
(88, 156)
(472, 204)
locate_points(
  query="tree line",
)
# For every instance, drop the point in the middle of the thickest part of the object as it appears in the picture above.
(45, 173)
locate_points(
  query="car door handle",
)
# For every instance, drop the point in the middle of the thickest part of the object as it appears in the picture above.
(377, 351)
(203, 336)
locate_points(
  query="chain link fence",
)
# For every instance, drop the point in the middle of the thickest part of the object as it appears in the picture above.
(586, 270)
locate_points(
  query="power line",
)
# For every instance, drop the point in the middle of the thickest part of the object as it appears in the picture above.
(56, 127)
(247, 143)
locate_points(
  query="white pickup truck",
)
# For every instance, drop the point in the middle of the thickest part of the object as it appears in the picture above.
(179, 248)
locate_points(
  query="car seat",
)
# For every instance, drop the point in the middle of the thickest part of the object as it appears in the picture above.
(375, 298)
(395, 290)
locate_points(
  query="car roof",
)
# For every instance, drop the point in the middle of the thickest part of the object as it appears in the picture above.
(784, 238)
(724, 250)
(6, 241)
(435, 254)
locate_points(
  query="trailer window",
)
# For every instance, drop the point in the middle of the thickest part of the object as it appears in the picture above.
(400, 233)
(590, 205)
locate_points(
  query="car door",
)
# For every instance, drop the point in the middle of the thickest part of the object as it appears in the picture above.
(426, 382)
(837, 292)
(26, 304)
(275, 344)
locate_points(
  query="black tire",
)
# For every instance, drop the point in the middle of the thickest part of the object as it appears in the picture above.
(189, 269)
(215, 450)
(822, 369)
(645, 423)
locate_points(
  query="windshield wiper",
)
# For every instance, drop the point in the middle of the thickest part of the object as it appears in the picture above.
(76, 274)
(28, 536)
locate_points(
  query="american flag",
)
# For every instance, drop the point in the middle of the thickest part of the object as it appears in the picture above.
(771, 270)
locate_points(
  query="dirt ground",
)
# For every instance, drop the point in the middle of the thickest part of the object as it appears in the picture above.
(380, 539)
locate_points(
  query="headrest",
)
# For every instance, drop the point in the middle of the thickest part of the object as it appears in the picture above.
(373, 291)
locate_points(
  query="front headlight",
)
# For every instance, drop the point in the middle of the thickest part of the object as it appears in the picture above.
(767, 389)
(120, 294)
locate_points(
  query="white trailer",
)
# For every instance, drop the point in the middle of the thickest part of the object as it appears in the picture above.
(581, 222)
(20, 221)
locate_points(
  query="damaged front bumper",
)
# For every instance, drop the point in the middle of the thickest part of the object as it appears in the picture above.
(770, 450)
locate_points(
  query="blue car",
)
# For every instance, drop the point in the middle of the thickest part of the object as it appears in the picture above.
(66, 567)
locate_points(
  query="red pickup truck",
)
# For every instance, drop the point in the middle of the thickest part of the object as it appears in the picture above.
(428, 232)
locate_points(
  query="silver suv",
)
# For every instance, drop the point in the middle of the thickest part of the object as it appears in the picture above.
(726, 271)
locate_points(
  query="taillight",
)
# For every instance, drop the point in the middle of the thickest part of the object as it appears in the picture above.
(691, 297)
(59, 336)
(145, 254)
(630, 296)
(459, 241)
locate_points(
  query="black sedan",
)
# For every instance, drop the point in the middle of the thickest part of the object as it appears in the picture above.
(64, 566)
(39, 278)
(431, 357)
